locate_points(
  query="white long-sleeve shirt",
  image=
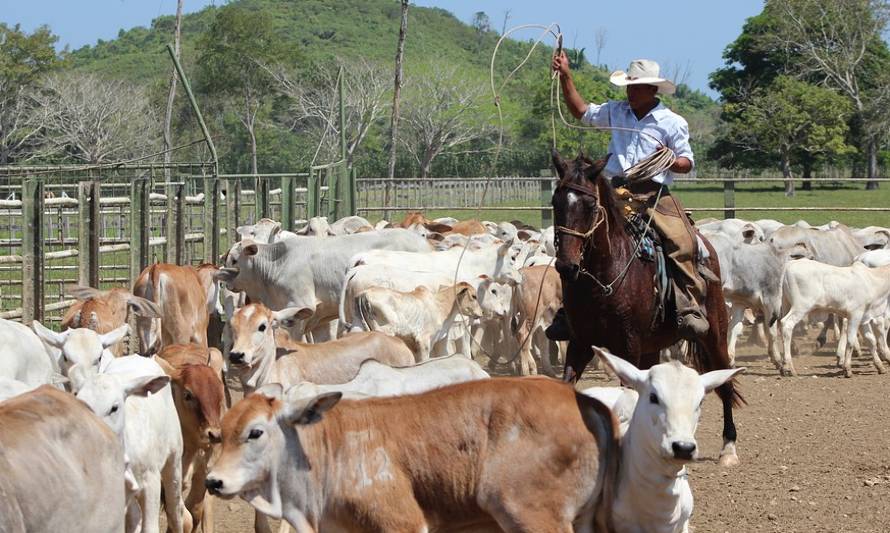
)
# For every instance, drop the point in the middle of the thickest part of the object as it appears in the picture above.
(630, 147)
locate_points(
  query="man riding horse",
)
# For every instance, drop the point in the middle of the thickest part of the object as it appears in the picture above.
(644, 111)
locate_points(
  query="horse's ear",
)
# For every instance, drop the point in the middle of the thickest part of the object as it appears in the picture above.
(559, 163)
(594, 170)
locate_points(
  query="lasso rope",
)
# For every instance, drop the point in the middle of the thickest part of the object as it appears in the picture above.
(657, 163)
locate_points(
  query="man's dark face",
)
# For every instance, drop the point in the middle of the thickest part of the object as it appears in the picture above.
(641, 96)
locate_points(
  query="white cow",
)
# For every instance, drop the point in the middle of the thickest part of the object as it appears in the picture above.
(420, 317)
(349, 225)
(81, 346)
(133, 397)
(653, 493)
(737, 229)
(23, 357)
(265, 230)
(377, 379)
(61, 468)
(306, 271)
(856, 292)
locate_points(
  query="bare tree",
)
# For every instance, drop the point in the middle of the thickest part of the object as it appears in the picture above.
(96, 120)
(442, 113)
(314, 106)
(396, 95)
(833, 42)
(600, 43)
(507, 13)
(171, 95)
(678, 72)
(21, 121)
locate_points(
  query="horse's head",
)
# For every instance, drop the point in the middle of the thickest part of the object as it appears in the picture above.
(576, 210)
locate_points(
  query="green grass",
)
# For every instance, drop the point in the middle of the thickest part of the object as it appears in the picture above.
(772, 195)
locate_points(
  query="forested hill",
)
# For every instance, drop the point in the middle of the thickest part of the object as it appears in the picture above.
(313, 35)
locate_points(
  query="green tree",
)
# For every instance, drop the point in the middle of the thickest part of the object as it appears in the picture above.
(791, 119)
(24, 59)
(235, 53)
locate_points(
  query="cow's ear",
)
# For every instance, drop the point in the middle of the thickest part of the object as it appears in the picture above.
(715, 378)
(144, 308)
(49, 336)
(78, 375)
(273, 391)
(304, 412)
(168, 369)
(287, 317)
(629, 375)
(250, 250)
(114, 336)
(226, 274)
(144, 385)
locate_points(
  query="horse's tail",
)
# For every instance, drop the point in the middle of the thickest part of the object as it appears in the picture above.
(697, 356)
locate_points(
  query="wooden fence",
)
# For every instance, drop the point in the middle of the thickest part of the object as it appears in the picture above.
(64, 225)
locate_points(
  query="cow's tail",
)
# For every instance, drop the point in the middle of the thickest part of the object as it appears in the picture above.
(365, 312)
(603, 424)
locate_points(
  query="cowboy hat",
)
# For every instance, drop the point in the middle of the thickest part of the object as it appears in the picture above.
(643, 72)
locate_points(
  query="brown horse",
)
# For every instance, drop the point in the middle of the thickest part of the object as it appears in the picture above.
(609, 293)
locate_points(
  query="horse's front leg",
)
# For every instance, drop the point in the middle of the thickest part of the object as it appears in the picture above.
(578, 355)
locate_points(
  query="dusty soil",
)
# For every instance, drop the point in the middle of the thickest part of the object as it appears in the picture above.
(815, 453)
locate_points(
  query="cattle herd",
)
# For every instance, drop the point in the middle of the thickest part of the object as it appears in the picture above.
(344, 391)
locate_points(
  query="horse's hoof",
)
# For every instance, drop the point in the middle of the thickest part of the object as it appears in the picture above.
(792, 373)
(848, 373)
(729, 460)
(881, 369)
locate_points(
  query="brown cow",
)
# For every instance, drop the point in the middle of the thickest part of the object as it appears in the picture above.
(476, 454)
(199, 397)
(534, 313)
(186, 297)
(104, 311)
(255, 357)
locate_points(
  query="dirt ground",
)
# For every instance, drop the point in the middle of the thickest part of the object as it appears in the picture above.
(815, 452)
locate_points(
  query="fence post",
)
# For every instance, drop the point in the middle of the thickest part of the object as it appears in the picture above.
(312, 196)
(211, 219)
(175, 227)
(333, 180)
(233, 209)
(729, 198)
(261, 197)
(139, 226)
(32, 250)
(88, 233)
(288, 203)
(349, 192)
(546, 196)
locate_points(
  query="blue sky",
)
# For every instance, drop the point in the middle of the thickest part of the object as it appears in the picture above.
(682, 33)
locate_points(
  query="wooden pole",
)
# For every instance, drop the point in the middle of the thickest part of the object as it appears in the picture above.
(233, 209)
(396, 95)
(729, 199)
(175, 226)
(139, 226)
(288, 203)
(546, 197)
(32, 250)
(88, 233)
(211, 219)
(171, 95)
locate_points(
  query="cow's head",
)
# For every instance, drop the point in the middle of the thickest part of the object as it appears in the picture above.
(106, 394)
(466, 300)
(239, 256)
(252, 332)
(258, 435)
(671, 396)
(200, 399)
(265, 230)
(751, 233)
(80, 346)
(494, 298)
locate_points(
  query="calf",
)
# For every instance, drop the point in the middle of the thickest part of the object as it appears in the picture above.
(856, 292)
(536, 301)
(81, 346)
(379, 380)
(104, 311)
(365, 474)
(420, 317)
(255, 360)
(61, 468)
(653, 492)
(133, 398)
(185, 296)
(199, 398)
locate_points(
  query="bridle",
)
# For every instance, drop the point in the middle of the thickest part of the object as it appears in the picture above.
(600, 217)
